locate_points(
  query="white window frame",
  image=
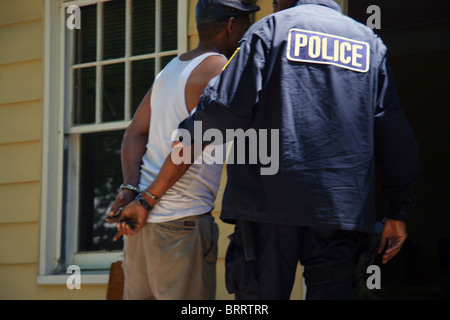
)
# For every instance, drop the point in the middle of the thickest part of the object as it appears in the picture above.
(57, 123)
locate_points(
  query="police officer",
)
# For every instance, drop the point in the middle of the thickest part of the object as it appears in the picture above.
(322, 80)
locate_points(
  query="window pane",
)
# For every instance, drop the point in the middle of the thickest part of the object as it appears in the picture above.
(169, 25)
(84, 96)
(86, 37)
(114, 29)
(100, 179)
(113, 92)
(143, 18)
(143, 72)
(100, 172)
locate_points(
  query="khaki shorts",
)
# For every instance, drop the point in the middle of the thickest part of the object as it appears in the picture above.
(174, 260)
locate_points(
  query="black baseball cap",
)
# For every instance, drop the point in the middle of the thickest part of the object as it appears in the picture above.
(208, 11)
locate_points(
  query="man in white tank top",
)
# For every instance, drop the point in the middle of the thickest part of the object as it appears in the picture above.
(171, 252)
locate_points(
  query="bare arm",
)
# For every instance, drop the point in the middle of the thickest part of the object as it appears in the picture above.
(133, 149)
(135, 141)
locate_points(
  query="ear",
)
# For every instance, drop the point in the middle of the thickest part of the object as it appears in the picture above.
(230, 25)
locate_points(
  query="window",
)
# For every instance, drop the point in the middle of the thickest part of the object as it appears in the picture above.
(107, 66)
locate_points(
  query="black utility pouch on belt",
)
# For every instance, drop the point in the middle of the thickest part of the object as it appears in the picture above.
(240, 260)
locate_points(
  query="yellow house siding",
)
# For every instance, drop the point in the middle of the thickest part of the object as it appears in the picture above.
(20, 210)
(21, 81)
(21, 128)
(266, 9)
(21, 42)
(17, 243)
(14, 116)
(21, 92)
(21, 162)
(16, 11)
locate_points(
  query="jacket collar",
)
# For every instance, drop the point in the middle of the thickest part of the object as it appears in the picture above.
(327, 3)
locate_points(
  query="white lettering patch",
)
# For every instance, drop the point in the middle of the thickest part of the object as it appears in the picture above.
(317, 47)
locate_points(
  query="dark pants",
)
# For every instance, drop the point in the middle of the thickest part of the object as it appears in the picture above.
(328, 258)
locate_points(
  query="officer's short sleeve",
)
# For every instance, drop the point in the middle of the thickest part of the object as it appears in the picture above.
(229, 99)
(395, 147)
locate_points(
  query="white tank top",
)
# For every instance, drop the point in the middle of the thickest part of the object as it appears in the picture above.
(195, 192)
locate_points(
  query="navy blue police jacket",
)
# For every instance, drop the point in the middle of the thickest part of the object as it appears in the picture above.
(321, 81)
